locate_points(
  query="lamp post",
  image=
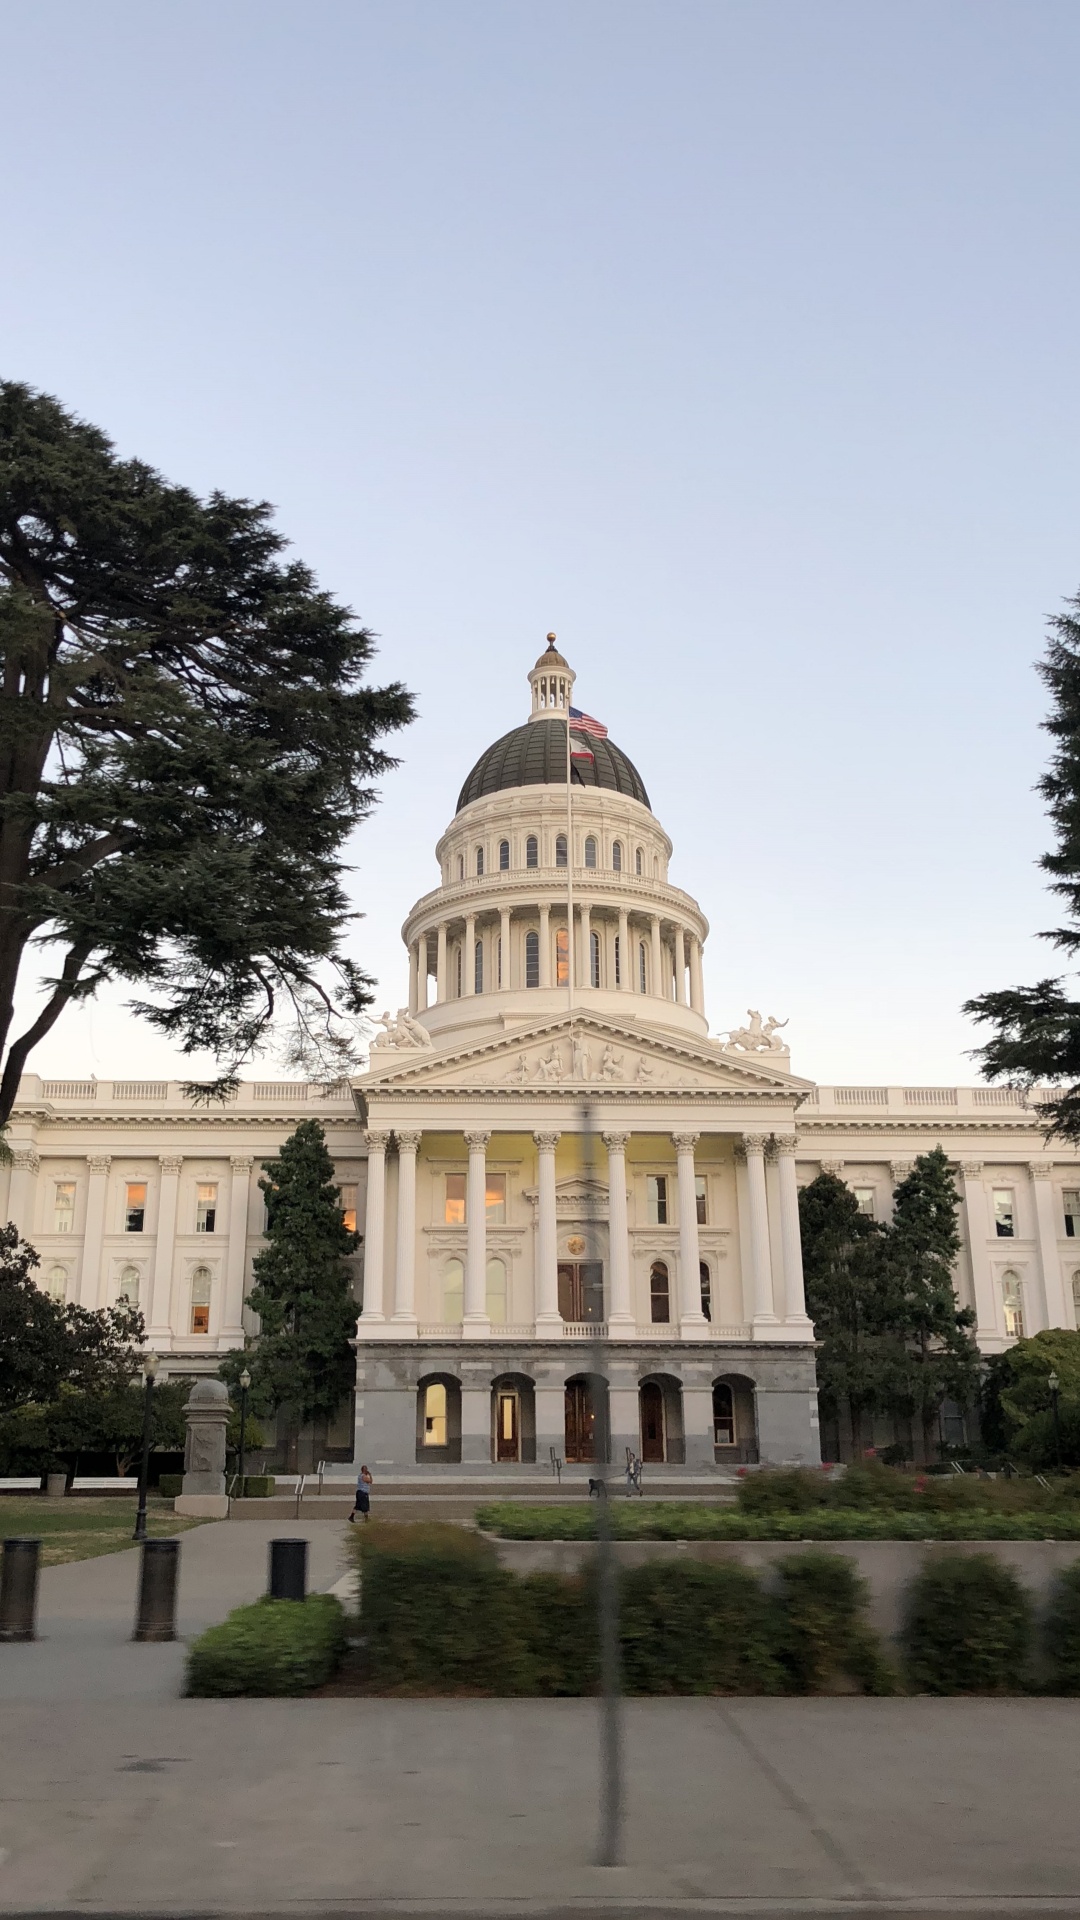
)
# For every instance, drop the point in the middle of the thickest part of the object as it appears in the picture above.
(245, 1382)
(150, 1367)
(1054, 1383)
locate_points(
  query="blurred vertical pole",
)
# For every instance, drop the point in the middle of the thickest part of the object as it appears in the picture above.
(609, 1839)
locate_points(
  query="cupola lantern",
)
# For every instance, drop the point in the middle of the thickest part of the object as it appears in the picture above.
(552, 683)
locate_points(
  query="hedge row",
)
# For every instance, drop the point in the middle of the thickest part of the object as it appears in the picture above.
(672, 1520)
(273, 1647)
(257, 1486)
(870, 1484)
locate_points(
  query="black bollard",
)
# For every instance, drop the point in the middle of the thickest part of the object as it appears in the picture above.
(18, 1589)
(155, 1616)
(288, 1569)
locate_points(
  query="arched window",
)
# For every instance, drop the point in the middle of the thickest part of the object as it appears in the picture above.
(560, 850)
(642, 977)
(594, 959)
(461, 866)
(56, 1283)
(202, 1281)
(478, 967)
(496, 1292)
(1076, 1297)
(453, 1292)
(618, 961)
(479, 863)
(562, 958)
(459, 983)
(504, 856)
(706, 1290)
(498, 964)
(532, 851)
(616, 855)
(532, 959)
(1013, 1301)
(590, 851)
(435, 1414)
(723, 1414)
(639, 862)
(128, 1287)
(656, 866)
(659, 1294)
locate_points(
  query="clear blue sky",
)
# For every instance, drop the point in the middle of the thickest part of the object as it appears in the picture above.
(736, 340)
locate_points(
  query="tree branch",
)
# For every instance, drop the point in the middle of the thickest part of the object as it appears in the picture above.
(74, 961)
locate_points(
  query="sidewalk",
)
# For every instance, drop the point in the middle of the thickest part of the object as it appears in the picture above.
(393, 1806)
(86, 1611)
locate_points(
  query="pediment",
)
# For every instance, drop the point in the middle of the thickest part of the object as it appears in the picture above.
(587, 1054)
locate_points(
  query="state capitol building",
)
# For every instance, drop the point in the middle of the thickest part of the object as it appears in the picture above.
(548, 1150)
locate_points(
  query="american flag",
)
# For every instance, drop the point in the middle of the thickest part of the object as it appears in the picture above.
(584, 723)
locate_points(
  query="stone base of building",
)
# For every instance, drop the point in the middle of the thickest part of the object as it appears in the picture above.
(202, 1506)
(454, 1406)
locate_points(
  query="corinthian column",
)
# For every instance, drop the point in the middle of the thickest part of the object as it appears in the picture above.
(160, 1331)
(791, 1239)
(475, 1322)
(692, 1322)
(374, 1231)
(25, 1167)
(760, 1264)
(620, 1317)
(548, 1317)
(236, 1257)
(405, 1266)
(97, 1191)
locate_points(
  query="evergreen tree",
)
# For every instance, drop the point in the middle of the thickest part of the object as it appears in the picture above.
(186, 743)
(302, 1357)
(859, 1357)
(922, 1244)
(1036, 1030)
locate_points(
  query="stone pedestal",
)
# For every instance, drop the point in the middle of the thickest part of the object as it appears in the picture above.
(207, 1416)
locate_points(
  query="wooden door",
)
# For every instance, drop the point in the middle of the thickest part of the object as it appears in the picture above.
(652, 1422)
(580, 1441)
(507, 1425)
(581, 1290)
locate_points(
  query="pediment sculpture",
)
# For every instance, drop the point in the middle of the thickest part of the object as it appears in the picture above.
(402, 1031)
(758, 1036)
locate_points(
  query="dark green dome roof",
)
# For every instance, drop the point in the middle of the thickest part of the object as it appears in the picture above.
(535, 756)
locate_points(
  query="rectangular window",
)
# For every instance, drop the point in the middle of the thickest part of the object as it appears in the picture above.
(348, 1207)
(1072, 1214)
(656, 1197)
(495, 1199)
(135, 1206)
(64, 1207)
(454, 1209)
(206, 1209)
(864, 1197)
(1004, 1219)
(659, 1295)
(701, 1197)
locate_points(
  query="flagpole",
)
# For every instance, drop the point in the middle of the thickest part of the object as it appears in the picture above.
(569, 873)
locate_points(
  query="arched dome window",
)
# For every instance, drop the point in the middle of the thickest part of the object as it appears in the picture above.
(618, 961)
(532, 851)
(594, 959)
(478, 967)
(560, 850)
(639, 862)
(659, 1294)
(461, 866)
(479, 862)
(590, 852)
(532, 959)
(616, 855)
(458, 979)
(656, 866)
(643, 985)
(504, 856)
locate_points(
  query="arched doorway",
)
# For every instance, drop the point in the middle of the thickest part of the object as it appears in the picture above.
(660, 1411)
(438, 1418)
(513, 1418)
(735, 1438)
(585, 1419)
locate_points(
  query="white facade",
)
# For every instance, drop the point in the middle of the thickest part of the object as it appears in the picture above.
(548, 1149)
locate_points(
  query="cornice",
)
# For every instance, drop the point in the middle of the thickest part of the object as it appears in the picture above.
(527, 887)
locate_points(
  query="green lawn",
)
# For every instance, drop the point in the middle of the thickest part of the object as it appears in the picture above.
(80, 1529)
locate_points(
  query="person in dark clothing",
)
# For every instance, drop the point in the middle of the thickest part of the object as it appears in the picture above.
(363, 1495)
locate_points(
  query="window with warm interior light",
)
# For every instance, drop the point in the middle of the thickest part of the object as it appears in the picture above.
(202, 1283)
(532, 851)
(1012, 1298)
(656, 1199)
(701, 1199)
(659, 1294)
(64, 1206)
(453, 1292)
(590, 851)
(348, 1206)
(495, 1199)
(1004, 1216)
(532, 959)
(454, 1201)
(206, 1208)
(435, 1414)
(560, 849)
(504, 856)
(562, 958)
(135, 1206)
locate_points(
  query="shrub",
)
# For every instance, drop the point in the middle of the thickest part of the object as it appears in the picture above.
(1062, 1632)
(556, 1616)
(170, 1484)
(783, 1490)
(439, 1614)
(671, 1520)
(821, 1632)
(273, 1647)
(258, 1486)
(689, 1627)
(968, 1627)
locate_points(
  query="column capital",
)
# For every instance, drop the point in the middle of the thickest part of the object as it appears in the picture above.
(754, 1142)
(685, 1142)
(377, 1142)
(1041, 1169)
(26, 1159)
(786, 1144)
(407, 1142)
(547, 1142)
(615, 1142)
(174, 1162)
(971, 1169)
(242, 1162)
(900, 1169)
(477, 1142)
(835, 1167)
(99, 1162)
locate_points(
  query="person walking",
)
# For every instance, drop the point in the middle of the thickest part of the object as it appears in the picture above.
(363, 1495)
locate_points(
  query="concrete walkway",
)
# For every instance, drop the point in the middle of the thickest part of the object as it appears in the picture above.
(86, 1611)
(375, 1806)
